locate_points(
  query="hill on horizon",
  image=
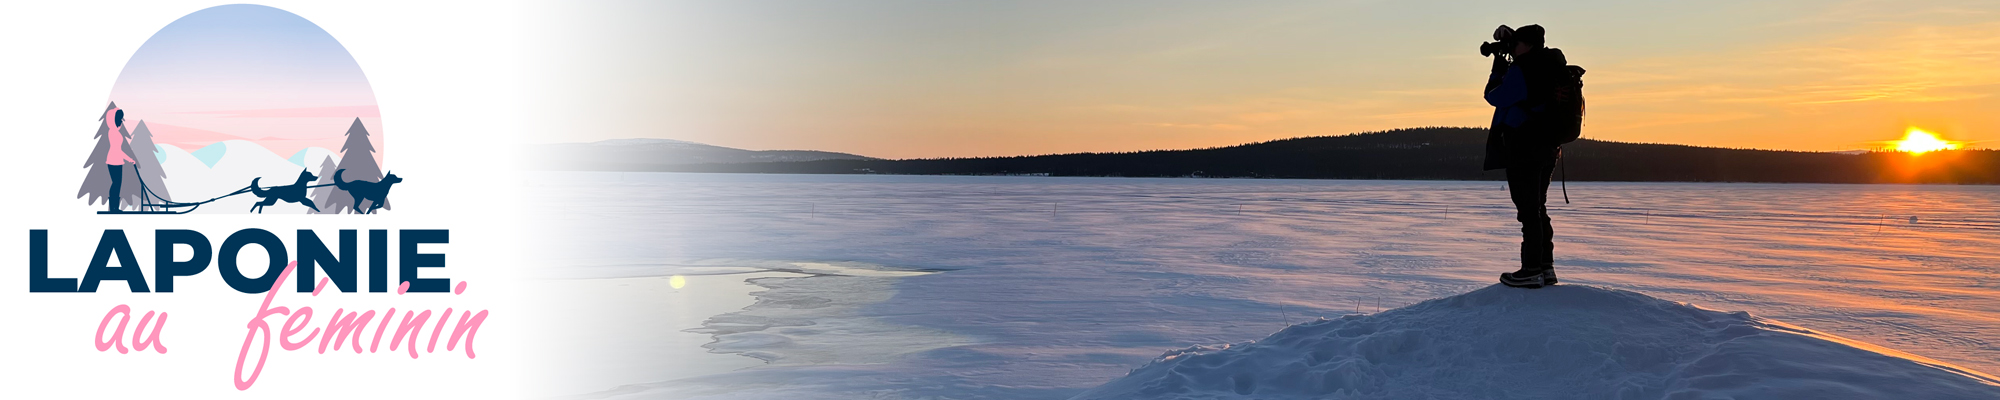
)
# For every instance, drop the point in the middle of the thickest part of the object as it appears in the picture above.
(652, 154)
(1434, 153)
(230, 166)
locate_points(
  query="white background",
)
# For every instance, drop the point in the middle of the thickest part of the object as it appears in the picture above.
(445, 77)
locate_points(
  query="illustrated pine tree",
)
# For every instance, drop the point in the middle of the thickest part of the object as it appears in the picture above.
(326, 195)
(357, 157)
(149, 170)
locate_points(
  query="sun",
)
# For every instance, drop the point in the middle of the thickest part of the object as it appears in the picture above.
(1917, 141)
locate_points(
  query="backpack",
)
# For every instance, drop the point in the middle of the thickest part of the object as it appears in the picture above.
(1566, 113)
(1566, 125)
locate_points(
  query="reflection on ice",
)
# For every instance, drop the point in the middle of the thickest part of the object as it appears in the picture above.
(634, 330)
(596, 334)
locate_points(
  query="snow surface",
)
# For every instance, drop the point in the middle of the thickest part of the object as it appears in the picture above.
(1568, 341)
(1047, 287)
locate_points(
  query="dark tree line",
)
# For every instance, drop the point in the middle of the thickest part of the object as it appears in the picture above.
(1432, 153)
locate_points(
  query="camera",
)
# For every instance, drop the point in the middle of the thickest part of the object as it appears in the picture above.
(1488, 49)
(1503, 42)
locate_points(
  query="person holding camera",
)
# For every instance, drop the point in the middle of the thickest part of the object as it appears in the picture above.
(1527, 90)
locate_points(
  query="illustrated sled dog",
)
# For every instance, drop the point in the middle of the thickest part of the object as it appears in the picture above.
(375, 192)
(293, 193)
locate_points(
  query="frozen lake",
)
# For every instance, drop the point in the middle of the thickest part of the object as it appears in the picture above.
(1040, 287)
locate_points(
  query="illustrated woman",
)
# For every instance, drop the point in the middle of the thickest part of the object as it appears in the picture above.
(120, 152)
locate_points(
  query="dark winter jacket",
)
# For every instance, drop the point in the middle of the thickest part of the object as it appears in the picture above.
(1520, 92)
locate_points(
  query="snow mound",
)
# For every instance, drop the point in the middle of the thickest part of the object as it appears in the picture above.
(1568, 341)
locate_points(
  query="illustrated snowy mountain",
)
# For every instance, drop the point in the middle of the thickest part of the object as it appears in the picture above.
(311, 157)
(224, 167)
(1562, 342)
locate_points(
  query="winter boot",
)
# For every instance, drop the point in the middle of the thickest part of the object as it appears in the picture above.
(1527, 278)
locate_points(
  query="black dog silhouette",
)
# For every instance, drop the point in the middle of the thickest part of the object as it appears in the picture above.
(293, 193)
(375, 192)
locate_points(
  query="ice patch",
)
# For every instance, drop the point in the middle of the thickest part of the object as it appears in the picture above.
(808, 314)
(817, 319)
(1567, 341)
(854, 270)
(635, 330)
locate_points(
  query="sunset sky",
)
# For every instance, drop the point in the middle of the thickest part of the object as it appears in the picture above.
(918, 78)
(245, 72)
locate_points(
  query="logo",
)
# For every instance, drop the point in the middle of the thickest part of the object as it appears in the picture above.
(199, 121)
(239, 109)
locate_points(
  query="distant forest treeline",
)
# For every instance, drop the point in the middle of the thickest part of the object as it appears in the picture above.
(1430, 153)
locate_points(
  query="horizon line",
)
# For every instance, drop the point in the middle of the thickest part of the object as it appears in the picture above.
(1878, 150)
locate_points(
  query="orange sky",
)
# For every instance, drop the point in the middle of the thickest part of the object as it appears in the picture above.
(936, 79)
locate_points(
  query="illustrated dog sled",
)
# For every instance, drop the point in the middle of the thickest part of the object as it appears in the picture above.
(376, 192)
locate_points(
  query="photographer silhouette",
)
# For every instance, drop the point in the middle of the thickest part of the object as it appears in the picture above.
(1536, 108)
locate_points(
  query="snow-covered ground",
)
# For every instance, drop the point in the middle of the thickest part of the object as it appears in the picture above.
(1026, 287)
(1569, 341)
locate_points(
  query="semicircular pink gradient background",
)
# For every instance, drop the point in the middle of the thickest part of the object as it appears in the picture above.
(247, 72)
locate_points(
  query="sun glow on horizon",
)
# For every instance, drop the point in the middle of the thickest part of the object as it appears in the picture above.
(1917, 141)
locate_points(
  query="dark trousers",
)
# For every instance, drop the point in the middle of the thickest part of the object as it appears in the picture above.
(1528, 174)
(117, 184)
